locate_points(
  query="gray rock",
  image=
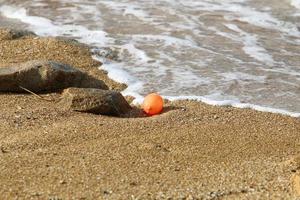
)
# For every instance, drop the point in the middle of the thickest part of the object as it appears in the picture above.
(110, 53)
(45, 76)
(97, 101)
(12, 34)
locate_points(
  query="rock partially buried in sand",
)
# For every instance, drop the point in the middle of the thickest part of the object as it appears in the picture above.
(97, 101)
(42, 76)
(11, 34)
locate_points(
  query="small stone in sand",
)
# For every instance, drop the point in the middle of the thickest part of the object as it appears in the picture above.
(95, 101)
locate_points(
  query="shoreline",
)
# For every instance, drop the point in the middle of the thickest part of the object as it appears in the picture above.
(138, 98)
(192, 150)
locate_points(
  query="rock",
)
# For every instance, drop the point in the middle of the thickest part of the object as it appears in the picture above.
(110, 53)
(97, 101)
(42, 76)
(11, 34)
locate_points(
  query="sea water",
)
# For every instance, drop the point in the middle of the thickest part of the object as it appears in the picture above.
(244, 53)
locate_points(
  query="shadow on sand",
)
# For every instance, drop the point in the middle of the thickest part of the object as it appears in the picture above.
(138, 112)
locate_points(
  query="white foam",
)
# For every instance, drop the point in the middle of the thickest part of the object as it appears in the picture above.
(295, 3)
(238, 10)
(127, 9)
(167, 40)
(235, 104)
(251, 46)
(139, 55)
(21, 14)
(46, 27)
(229, 76)
(262, 19)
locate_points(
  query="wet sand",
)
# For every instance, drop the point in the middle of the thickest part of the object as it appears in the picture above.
(191, 151)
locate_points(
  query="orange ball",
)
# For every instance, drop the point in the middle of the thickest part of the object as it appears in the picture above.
(153, 104)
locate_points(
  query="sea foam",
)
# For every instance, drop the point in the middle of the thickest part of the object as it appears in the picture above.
(45, 27)
(235, 104)
(295, 3)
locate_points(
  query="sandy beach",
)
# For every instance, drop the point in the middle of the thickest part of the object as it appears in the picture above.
(191, 151)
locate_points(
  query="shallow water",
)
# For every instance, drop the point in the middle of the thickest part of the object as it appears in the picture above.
(222, 52)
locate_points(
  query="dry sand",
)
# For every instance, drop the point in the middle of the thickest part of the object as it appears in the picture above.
(191, 151)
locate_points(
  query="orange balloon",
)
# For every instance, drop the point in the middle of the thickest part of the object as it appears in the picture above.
(153, 104)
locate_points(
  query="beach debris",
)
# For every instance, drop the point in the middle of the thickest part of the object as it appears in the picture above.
(36, 95)
(153, 104)
(97, 101)
(2, 150)
(42, 76)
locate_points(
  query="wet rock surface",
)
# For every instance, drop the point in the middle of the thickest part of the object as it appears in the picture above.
(45, 76)
(97, 101)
